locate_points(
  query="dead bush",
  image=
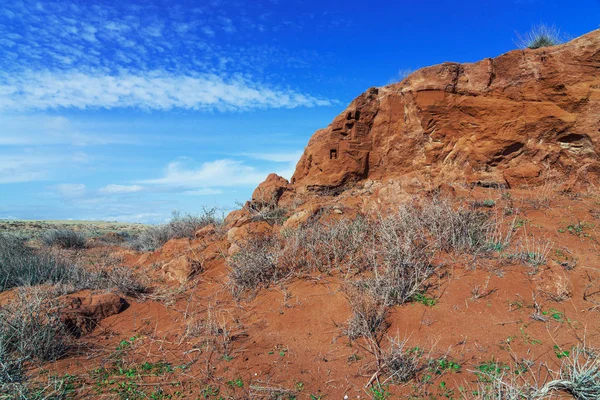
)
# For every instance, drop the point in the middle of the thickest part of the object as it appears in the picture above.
(30, 330)
(578, 376)
(399, 257)
(326, 247)
(64, 239)
(397, 249)
(270, 211)
(180, 226)
(124, 280)
(255, 265)
(400, 363)
(368, 315)
(21, 265)
(461, 229)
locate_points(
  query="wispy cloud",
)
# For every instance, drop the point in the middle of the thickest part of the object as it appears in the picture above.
(185, 176)
(67, 54)
(220, 173)
(118, 189)
(32, 166)
(148, 217)
(152, 90)
(42, 130)
(71, 190)
(280, 157)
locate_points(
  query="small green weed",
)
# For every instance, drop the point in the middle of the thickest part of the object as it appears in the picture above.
(521, 222)
(486, 372)
(561, 353)
(210, 391)
(555, 315)
(423, 299)
(379, 392)
(238, 382)
(579, 229)
(444, 365)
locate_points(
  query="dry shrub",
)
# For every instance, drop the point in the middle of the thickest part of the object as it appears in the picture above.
(578, 376)
(21, 265)
(460, 230)
(256, 265)
(269, 211)
(124, 280)
(180, 226)
(532, 252)
(30, 330)
(400, 363)
(541, 196)
(399, 257)
(368, 315)
(397, 249)
(64, 239)
(32, 333)
(326, 247)
(217, 329)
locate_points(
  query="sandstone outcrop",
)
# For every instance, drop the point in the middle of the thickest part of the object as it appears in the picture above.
(517, 119)
(269, 191)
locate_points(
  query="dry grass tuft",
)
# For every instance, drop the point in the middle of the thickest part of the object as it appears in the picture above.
(180, 226)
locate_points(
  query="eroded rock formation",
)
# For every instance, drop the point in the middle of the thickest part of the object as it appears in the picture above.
(513, 120)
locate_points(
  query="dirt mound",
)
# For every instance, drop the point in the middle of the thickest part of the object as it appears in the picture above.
(84, 310)
(507, 121)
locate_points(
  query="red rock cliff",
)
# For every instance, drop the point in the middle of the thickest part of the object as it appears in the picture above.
(515, 119)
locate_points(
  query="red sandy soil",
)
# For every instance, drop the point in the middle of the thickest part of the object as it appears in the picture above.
(291, 335)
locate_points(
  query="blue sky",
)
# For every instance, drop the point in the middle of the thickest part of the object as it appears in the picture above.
(125, 110)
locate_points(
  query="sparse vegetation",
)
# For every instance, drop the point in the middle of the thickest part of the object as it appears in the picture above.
(255, 265)
(269, 211)
(368, 318)
(30, 331)
(402, 364)
(180, 226)
(22, 265)
(64, 239)
(541, 36)
(531, 252)
(578, 375)
(396, 249)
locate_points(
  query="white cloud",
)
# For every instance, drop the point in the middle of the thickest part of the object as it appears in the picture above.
(155, 90)
(56, 57)
(184, 176)
(203, 192)
(71, 190)
(40, 130)
(36, 165)
(280, 157)
(149, 217)
(208, 31)
(219, 173)
(120, 189)
(26, 167)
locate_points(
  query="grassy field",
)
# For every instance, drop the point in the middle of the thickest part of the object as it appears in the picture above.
(33, 228)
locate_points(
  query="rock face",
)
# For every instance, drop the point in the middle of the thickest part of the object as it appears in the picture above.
(517, 119)
(270, 190)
